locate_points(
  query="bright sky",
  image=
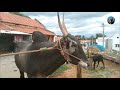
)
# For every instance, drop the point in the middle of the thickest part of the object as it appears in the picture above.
(79, 23)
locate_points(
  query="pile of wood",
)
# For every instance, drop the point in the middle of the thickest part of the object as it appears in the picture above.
(111, 58)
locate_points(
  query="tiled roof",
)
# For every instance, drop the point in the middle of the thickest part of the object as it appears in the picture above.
(86, 41)
(25, 30)
(15, 19)
(12, 18)
(3, 27)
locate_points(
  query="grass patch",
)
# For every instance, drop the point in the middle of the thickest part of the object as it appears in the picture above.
(60, 70)
(99, 72)
(104, 72)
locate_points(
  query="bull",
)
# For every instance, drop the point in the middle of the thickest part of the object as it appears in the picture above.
(41, 64)
(97, 58)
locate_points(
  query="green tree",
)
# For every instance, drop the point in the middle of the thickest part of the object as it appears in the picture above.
(100, 35)
(20, 14)
(83, 38)
(93, 39)
(92, 36)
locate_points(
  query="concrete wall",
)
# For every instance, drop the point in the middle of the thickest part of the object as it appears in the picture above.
(109, 44)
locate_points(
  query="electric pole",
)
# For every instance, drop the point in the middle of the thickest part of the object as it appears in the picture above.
(119, 41)
(103, 33)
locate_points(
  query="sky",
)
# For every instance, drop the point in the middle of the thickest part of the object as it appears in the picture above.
(79, 23)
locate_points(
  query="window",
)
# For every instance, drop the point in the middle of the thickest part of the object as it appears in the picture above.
(117, 45)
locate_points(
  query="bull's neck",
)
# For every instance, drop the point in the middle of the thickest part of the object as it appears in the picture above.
(56, 61)
(53, 59)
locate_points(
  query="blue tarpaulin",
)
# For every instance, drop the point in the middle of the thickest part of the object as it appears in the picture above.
(99, 46)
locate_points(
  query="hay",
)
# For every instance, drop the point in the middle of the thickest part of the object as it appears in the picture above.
(92, 49)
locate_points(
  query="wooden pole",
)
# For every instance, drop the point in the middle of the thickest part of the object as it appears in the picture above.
(88, 54)
(103, 33)
(79, 71)
(119, 42)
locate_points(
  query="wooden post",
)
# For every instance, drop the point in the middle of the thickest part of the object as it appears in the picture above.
(79, 71)
(88, 55)
(90, 63)
(119, 41)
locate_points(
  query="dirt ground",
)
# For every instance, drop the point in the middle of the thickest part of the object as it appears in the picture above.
(111, 70)
(8, 69)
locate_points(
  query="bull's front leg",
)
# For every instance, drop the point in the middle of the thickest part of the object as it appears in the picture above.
(36, 75)
(103, 64)
(22, 74)
(97, 64)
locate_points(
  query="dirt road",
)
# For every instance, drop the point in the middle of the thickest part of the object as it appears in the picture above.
(8, 69)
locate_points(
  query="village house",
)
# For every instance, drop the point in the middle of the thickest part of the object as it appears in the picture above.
(110, 43)
(99, 41)
(15, 28)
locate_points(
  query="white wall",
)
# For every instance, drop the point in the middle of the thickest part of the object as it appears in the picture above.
(115, 40)
(54, 38)
(99, 41)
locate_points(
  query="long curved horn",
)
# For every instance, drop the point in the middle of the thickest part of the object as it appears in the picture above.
(60, 25)
(63, 24)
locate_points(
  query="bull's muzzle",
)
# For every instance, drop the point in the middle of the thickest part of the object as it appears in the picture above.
(84, 64)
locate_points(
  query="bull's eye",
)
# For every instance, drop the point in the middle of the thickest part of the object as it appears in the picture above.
(74, 44)
(70, 44)
(72, 41)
